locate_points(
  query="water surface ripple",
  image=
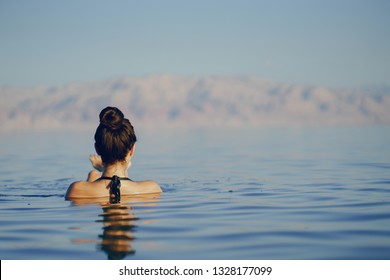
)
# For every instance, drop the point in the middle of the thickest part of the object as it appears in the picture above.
(298, 193)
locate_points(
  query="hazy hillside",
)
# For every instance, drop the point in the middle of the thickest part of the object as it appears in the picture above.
(170, 100)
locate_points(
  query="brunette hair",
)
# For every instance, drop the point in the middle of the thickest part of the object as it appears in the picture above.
(114, 136)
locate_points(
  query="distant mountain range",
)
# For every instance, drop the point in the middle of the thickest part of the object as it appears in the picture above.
(192, 101)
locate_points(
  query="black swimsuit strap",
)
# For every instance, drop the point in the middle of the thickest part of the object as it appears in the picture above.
(115, 193)
(110, 178)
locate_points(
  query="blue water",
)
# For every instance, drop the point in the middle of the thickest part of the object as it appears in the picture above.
(266, 193)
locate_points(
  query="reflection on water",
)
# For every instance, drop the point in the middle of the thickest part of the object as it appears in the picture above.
(118, 231)
(118, 224)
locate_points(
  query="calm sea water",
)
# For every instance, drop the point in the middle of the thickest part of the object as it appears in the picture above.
(269, 193)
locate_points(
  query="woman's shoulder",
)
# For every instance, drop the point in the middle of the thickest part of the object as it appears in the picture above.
(85, 189)
(79, 189)
(149, 186)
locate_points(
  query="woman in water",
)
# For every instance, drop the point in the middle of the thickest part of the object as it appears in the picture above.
(114, 143)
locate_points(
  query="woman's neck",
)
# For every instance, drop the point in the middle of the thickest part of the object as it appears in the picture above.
(119, 169)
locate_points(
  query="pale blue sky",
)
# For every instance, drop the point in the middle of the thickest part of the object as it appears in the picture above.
(341, 43)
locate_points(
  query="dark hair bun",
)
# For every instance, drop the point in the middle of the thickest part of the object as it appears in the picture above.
(111, 118)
